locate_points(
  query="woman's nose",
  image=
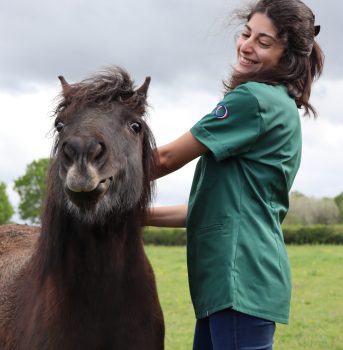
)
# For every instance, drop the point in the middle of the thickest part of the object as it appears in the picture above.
(247, 45)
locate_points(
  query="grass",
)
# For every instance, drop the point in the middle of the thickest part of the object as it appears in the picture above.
(317, 303)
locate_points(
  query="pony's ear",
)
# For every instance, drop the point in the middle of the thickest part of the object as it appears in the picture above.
(143, 90)
(64, 83)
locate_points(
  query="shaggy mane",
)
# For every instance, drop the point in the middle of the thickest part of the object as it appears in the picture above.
(100, 91)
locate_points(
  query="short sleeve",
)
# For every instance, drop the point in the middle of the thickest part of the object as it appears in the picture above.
(233, 126)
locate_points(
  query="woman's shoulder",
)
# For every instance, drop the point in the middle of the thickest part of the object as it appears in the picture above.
(257, 87)
(266, 93)
(244, 92)
(251, 93)
(262, 99)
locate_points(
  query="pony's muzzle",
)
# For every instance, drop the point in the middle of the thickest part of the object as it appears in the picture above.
(85, 178)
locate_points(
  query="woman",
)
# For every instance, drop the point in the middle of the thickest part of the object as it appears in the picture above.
(250, 148)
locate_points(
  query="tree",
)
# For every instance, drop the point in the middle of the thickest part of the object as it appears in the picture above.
(6, 209)
(310, 211)
(31, 189)
(339, 202)
(326, 212)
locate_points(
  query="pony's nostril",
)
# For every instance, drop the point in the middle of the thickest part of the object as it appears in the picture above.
(83, 148)
(108, 179)
(98, 151)
(72, 148)
(69, 152)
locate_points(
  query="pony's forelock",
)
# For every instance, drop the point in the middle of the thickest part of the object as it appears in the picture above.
(101, 90)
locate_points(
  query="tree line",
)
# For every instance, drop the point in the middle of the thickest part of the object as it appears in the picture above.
(303, 210)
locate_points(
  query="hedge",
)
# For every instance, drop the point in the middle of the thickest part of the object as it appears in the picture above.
(164, 236)
(316, 234)
(293, 234)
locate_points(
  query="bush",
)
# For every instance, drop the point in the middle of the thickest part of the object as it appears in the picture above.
(293, 234)
(164, 236)
(316, 234)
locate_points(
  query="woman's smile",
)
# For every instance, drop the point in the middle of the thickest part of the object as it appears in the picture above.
(246, 61)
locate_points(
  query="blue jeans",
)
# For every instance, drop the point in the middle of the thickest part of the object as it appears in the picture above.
(232, 330)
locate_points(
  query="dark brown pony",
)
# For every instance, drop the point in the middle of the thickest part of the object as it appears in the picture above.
(86, 283)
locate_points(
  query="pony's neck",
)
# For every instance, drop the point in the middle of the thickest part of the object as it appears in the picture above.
(69, 247)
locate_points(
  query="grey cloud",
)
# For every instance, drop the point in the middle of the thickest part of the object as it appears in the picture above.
(41, 39)
(167, 39)
(329, 16)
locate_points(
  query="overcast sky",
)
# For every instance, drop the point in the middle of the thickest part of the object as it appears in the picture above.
(187, 49)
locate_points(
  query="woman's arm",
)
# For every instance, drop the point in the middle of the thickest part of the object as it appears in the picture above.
(172, 216)
(171, 157)
(176, 154)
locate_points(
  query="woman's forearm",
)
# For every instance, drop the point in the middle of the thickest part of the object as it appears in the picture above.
(171, 216)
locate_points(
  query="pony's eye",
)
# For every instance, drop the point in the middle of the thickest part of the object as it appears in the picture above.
(59, 125)
(136, 127)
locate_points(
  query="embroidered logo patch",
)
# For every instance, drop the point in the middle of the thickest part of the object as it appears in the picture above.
(221, 112)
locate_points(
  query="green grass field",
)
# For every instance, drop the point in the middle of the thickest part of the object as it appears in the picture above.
(317, 303)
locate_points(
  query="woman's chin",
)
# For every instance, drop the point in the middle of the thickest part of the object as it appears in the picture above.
(245, 69)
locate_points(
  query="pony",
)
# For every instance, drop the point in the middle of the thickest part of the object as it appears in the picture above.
(83, 280)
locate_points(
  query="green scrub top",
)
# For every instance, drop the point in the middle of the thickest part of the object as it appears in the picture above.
(239, 197)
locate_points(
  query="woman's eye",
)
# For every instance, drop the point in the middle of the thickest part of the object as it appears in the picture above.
(136, 127)
(265, 45)
(245, 35)
(59, 125)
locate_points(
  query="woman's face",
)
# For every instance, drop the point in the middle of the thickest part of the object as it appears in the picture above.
(258, 47)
